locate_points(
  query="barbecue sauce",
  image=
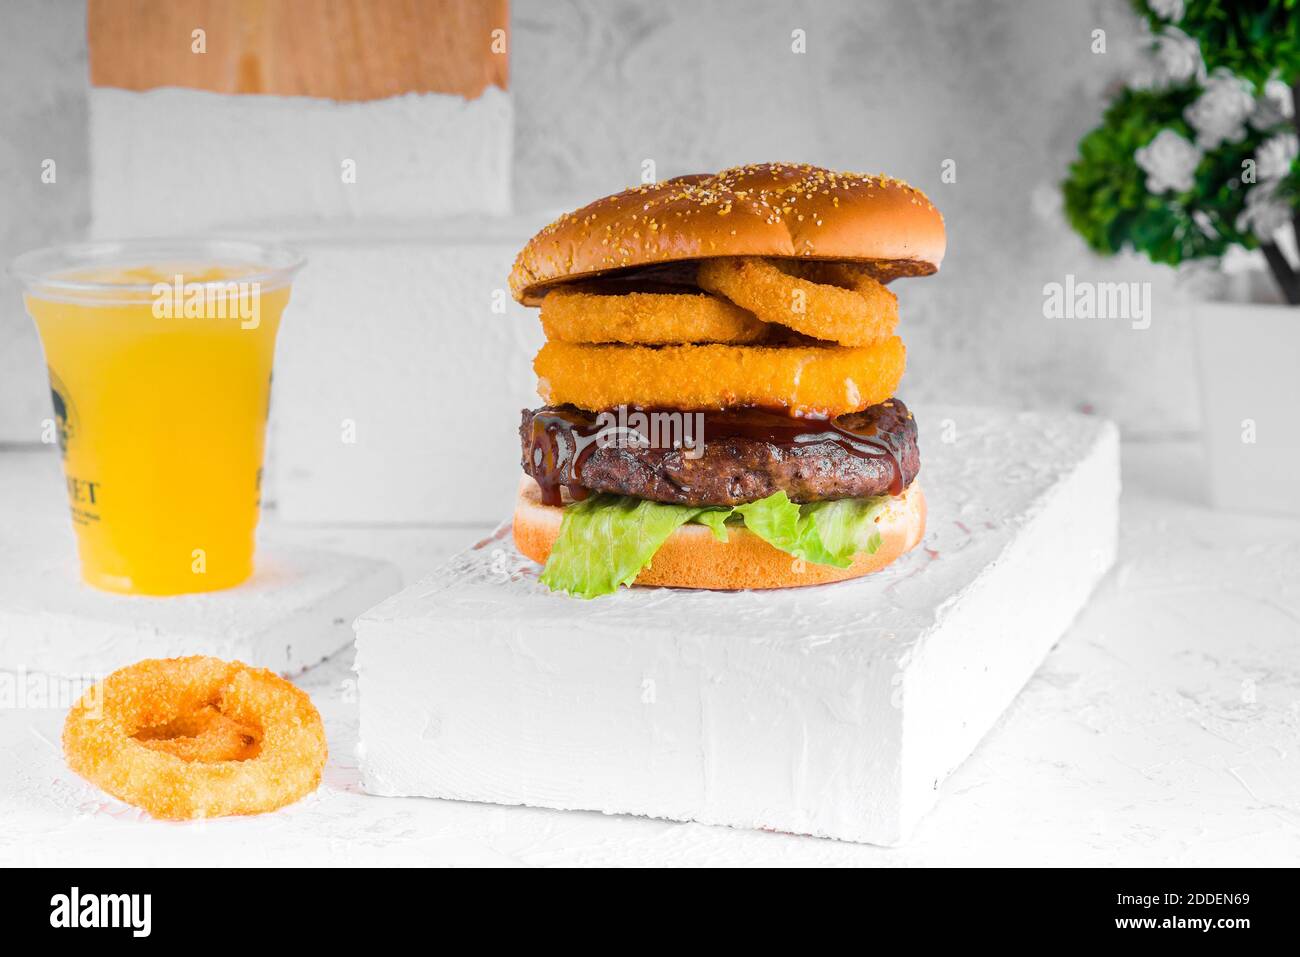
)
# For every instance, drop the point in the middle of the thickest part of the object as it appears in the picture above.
(563, 437)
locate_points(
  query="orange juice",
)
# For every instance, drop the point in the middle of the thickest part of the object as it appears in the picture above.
(160, 410)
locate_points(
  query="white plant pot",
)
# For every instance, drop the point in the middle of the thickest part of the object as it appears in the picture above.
(1249, 356)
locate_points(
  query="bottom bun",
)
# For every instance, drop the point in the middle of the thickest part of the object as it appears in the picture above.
(693, 558)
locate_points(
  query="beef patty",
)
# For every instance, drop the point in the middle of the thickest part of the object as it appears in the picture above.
(744, 455)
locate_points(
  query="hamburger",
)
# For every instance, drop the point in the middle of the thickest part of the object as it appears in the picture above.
(719, 378)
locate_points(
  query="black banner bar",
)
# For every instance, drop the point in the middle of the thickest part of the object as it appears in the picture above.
(1228, 907)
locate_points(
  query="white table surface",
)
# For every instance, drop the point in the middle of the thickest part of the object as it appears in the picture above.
(1163, 729)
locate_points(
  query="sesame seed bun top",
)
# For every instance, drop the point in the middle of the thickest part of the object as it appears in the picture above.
(770, 209)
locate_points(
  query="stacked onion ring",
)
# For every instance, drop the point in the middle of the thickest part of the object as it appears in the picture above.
(816, 338)
(839, 302)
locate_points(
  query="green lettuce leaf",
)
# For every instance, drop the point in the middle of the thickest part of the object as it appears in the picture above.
(605, 540)
(824, 533)
(846, 527)
(716, 519)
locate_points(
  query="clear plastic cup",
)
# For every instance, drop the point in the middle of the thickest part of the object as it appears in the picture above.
(159, 355)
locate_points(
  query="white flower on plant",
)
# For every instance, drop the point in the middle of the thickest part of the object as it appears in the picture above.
(1167, 9)
(1275, 106)
(1179, 56)
(1219, 114)
(1170, 162)
(1265, 212)
(1274, 157)
(1174, 59)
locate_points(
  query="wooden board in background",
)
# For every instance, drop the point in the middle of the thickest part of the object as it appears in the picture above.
(340, 49)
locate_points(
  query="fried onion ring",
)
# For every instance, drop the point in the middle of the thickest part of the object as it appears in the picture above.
(583, 313)
(197, 737)
(806, 379)
(205, 735)
(837, 302)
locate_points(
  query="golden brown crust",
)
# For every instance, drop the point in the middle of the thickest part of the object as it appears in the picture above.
(834, 302)
(770, 209)
(181, 782)
(578, 314)
(693, 558)
(806, 379)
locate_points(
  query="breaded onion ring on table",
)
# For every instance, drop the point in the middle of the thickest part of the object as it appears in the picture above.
(805, 379)
(584, 313)
(837, 302)
(127, 735)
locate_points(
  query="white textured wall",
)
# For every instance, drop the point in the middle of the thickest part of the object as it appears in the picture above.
(42, 116)
(1004, 87)
(174, 161)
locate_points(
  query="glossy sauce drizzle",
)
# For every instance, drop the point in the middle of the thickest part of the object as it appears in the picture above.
(563, 437)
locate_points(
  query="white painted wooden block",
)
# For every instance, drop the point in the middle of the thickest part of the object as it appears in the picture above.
(835, 710)
(175, 161)
(400, 372)
(294, 612)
